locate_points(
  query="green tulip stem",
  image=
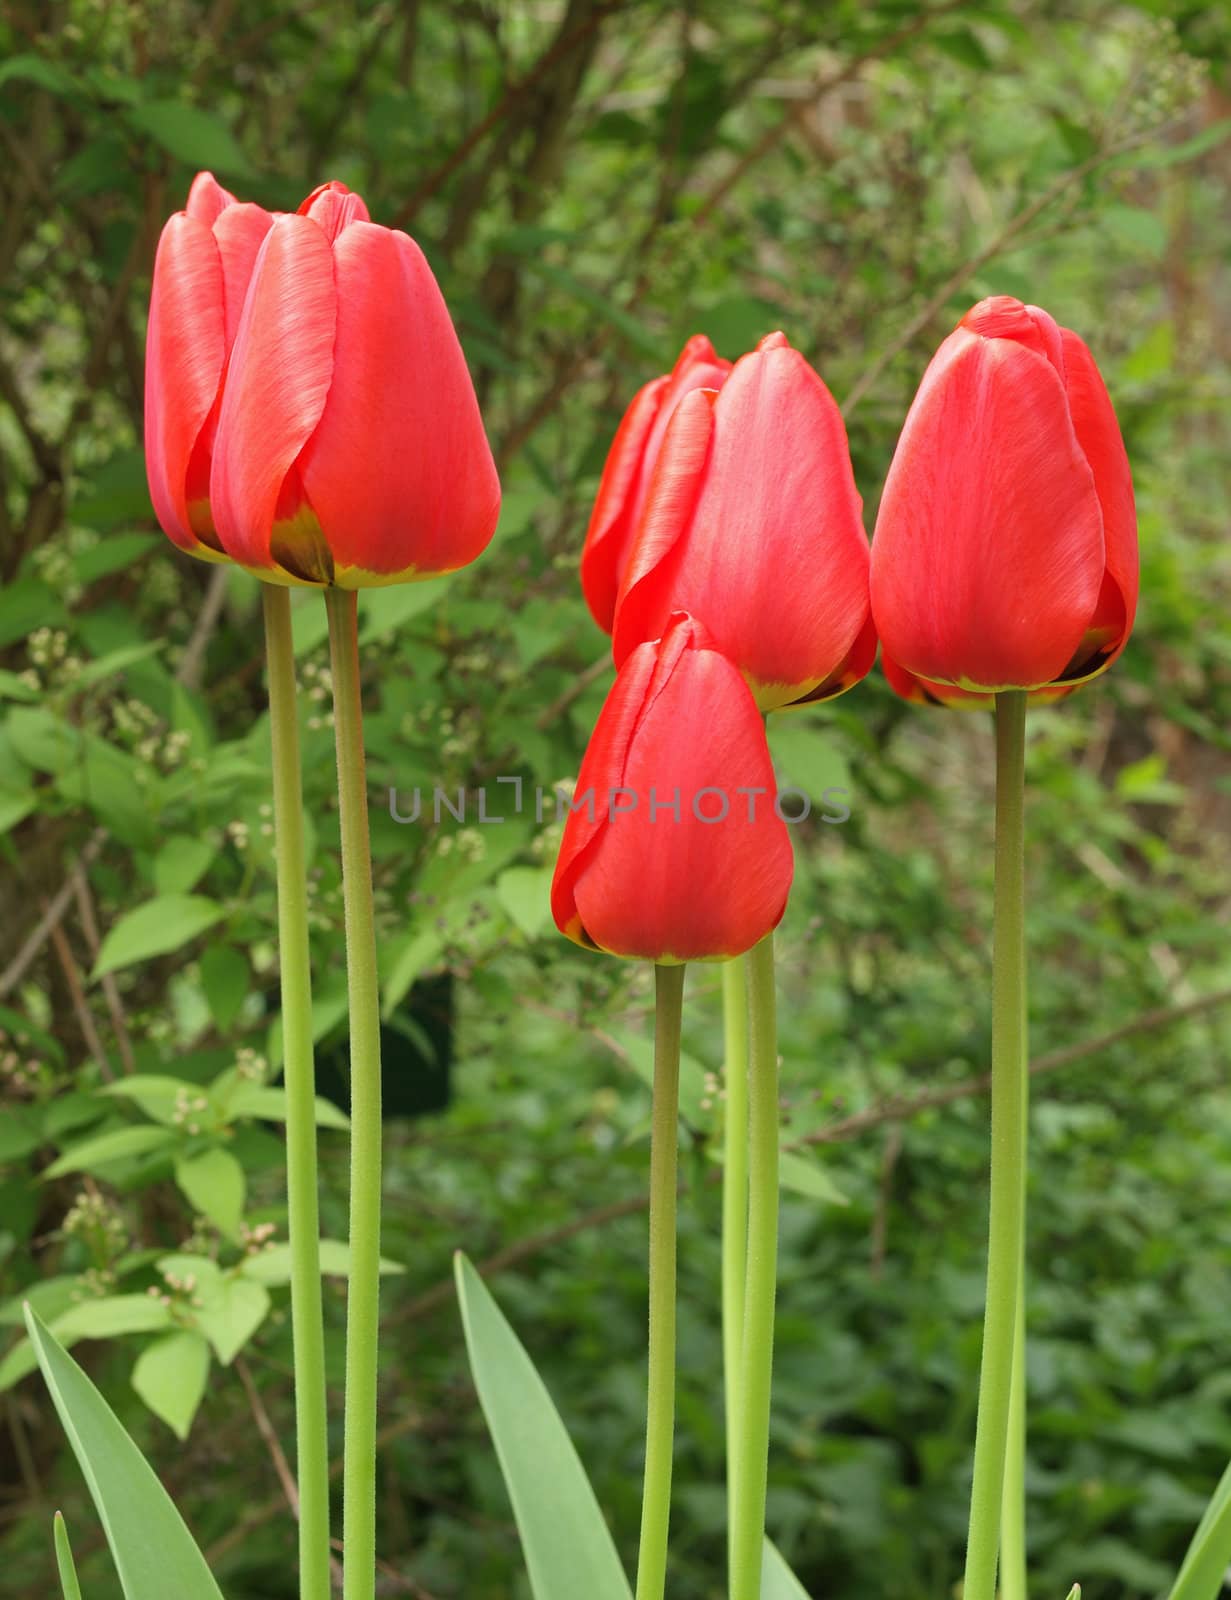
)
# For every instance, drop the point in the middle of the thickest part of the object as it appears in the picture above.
(660, 1409)
(734, 1203)
(363, 1294)
(307, 1318)
(1013, 1498)
(750, 1460)
(1008, 1160)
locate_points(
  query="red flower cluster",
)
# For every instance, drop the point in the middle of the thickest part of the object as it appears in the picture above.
(727, 556)
(281, 429)
(728, 530)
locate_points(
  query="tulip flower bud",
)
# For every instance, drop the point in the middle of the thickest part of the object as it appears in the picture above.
(674, 848)
(350, 449)
(752, 523)
(627, 472)
(1005, 554)
(201, 272)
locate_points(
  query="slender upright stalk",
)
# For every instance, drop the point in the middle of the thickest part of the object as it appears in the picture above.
(660, 1410)
(750, 1462)
(1013, 1584)
(363, 1294)
(1013, 1497)
(307, 1320)
(1008, 1164)
(734, 1205)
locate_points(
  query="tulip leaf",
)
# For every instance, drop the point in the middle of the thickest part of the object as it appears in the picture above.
(64, 1559)
(1205, 1566)
(160, 925)
(567, 1546)
(778, 1582)
(154, 1552)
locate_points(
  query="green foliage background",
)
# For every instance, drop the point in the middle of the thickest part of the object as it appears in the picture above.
(594, 180)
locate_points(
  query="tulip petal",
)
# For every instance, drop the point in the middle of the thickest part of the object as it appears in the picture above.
(239, 233)
(276, 386)
(399, 471)
(680, 725)
(988, 554)
(764, 539)
(645, 606)
(185, 356)
(207, 199)
(332, 206)
(611, 522)
(1098, 434)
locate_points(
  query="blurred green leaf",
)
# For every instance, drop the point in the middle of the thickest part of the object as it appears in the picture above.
(272, 1266)
(118, 1144)
(192, 135)
(269, 1103)
(156, 928)
(232, 1311)
(805, 1175)
(170, 1376)
(214, 1185)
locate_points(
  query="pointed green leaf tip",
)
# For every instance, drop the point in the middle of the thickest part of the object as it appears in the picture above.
(1202, 1575)
(64, 1560)
(567, 1545)
(153, 1551)
(1074, 1593)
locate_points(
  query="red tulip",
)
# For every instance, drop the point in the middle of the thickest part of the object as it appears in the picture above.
(626, 474)
(752, 523)
(350, 448)
(1005, 554)
(201, 273)
(674, 849)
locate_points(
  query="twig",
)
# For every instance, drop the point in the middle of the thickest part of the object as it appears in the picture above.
(799, 109)
(81, 1009)
(111, 989)
(51, 918)
(193, 659)
(282, 1467)
(273, 1444)
(564, 45)
(1015, 225)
